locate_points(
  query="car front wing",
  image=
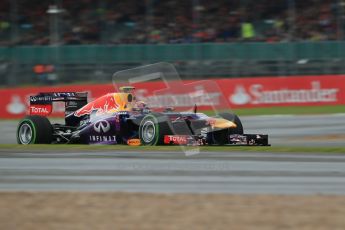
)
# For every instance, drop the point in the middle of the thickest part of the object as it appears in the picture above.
(233, 140)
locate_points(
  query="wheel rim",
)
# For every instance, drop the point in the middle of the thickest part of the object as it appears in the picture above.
(25, 134)
(148, 131)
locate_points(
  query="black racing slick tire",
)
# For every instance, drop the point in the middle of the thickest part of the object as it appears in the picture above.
(220, 137)
(152, 129)
(34, 130)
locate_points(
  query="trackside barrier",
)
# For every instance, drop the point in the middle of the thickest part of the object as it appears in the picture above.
(240, 93)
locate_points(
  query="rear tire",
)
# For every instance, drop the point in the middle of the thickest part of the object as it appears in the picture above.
(221, 137)
(34, 130)
(152, 129)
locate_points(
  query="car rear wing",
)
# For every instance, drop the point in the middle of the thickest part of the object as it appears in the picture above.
(42, 103)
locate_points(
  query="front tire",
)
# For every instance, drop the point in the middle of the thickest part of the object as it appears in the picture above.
(152, 129)
(34, 130)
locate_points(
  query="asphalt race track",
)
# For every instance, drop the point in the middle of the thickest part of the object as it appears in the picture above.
(306, 130)
(172, 172)
(245, 173)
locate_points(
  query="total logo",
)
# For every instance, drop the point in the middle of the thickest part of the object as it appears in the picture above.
(39, 110)
(175, 139)
(42, 110)
(256, 94)
(101, 126)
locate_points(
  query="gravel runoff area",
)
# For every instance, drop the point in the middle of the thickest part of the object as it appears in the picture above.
(72, 210)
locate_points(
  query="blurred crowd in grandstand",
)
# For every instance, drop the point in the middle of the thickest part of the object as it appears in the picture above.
(26, 22)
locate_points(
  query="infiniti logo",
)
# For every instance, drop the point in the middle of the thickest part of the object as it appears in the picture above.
(102, 126)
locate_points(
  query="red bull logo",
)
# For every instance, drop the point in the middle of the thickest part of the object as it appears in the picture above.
(104, 104)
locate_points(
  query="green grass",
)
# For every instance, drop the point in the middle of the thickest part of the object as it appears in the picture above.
(117, 148)
(295, 110)
(284, 110)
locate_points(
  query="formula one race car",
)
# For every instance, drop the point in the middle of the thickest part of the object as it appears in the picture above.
(118, 118)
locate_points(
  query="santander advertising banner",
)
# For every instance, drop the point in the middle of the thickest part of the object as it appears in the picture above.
(237, 92)
(286, 91)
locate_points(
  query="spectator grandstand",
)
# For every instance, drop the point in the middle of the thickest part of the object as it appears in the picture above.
(26, 22)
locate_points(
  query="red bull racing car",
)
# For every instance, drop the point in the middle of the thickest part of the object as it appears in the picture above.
(118, 118)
